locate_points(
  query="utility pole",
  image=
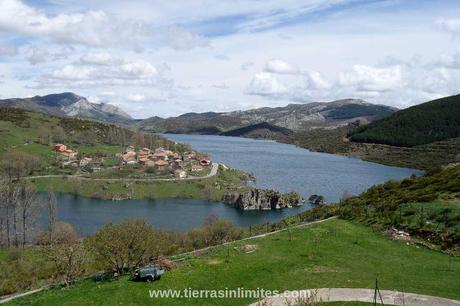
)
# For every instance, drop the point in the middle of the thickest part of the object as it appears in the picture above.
(376, 290)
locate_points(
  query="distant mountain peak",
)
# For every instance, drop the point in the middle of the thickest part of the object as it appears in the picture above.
(71, 105)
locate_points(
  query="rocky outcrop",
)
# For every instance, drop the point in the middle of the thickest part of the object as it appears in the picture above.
(318, 200)
(263, 199)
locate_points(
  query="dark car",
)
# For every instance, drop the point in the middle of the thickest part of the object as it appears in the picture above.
(148, 273)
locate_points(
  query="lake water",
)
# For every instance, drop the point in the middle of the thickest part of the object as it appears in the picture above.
(278, 166)
(289, 168)
(88, 215)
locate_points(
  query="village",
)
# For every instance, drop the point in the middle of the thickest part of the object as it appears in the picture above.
(144, 160)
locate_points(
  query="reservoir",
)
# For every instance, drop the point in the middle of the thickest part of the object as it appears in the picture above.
(277, 166)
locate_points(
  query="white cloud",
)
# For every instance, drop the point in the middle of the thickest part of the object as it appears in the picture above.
(73, 73)
(317, 81)
(136, 72)
(451, 26)
(366, 78)
(222, 57)
(310, 80)
(247, 65)
(221, 86)
(266, 84)
(17, 17)
(94, 99)
(281, 67)
(450, 61)
(37, 55)
(8, 50)
(101, 58)
(179, 39)
(92, 28)
(136, 97)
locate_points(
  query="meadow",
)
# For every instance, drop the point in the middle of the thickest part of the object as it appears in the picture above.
(334, 253)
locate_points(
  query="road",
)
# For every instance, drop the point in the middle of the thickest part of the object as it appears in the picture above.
(361, 295)
(213, 172)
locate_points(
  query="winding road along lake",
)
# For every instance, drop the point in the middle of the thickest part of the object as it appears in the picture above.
(278, 166)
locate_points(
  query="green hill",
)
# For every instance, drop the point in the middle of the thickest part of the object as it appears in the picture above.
(259, 130)
(35, 133)
(428, 206)
(421, 124)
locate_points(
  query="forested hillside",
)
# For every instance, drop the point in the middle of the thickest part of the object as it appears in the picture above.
(260, 130)
(421, 124)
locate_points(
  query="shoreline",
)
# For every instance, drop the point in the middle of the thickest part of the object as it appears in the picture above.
(211, 187)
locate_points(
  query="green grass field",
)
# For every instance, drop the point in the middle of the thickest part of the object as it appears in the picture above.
(334, 253)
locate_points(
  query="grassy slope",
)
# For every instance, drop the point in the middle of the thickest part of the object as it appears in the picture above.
(427, 206)
(20, 131)
(421, 124)
(334, 253)
(14, 264)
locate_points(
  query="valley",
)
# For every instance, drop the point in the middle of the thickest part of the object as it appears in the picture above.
(258, 153)
(106, 173)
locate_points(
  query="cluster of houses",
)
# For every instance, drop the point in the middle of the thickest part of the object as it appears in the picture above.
(160, 159)
(165, 160)
(69, 157)
(65, 153)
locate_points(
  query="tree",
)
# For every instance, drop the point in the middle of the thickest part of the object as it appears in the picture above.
(19, 209)
(67, 253)
(44, 135)
(124, 246)
(58, 134)
(28, 207)
(215, 231)
(52, 215)
(15, 165)
(345, 195)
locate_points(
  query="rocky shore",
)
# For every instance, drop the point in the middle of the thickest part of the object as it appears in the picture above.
(263, 199)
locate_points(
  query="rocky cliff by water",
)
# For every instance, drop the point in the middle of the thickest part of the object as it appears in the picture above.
(263, 199)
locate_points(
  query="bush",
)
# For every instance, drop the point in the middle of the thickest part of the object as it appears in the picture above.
(125, 246)
(215, 231)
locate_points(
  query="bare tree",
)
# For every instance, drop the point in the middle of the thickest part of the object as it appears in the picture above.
(52, 215)
(44, 135)
(29, 206)
(345, 196)
(7, 202)
(19, 208)
(58, 134)
(15, 165)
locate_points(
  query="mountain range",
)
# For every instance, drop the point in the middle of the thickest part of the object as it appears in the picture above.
(70, 105)
(265, 122)
(290, 118)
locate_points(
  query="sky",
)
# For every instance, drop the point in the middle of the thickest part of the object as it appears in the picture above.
(165, 58)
